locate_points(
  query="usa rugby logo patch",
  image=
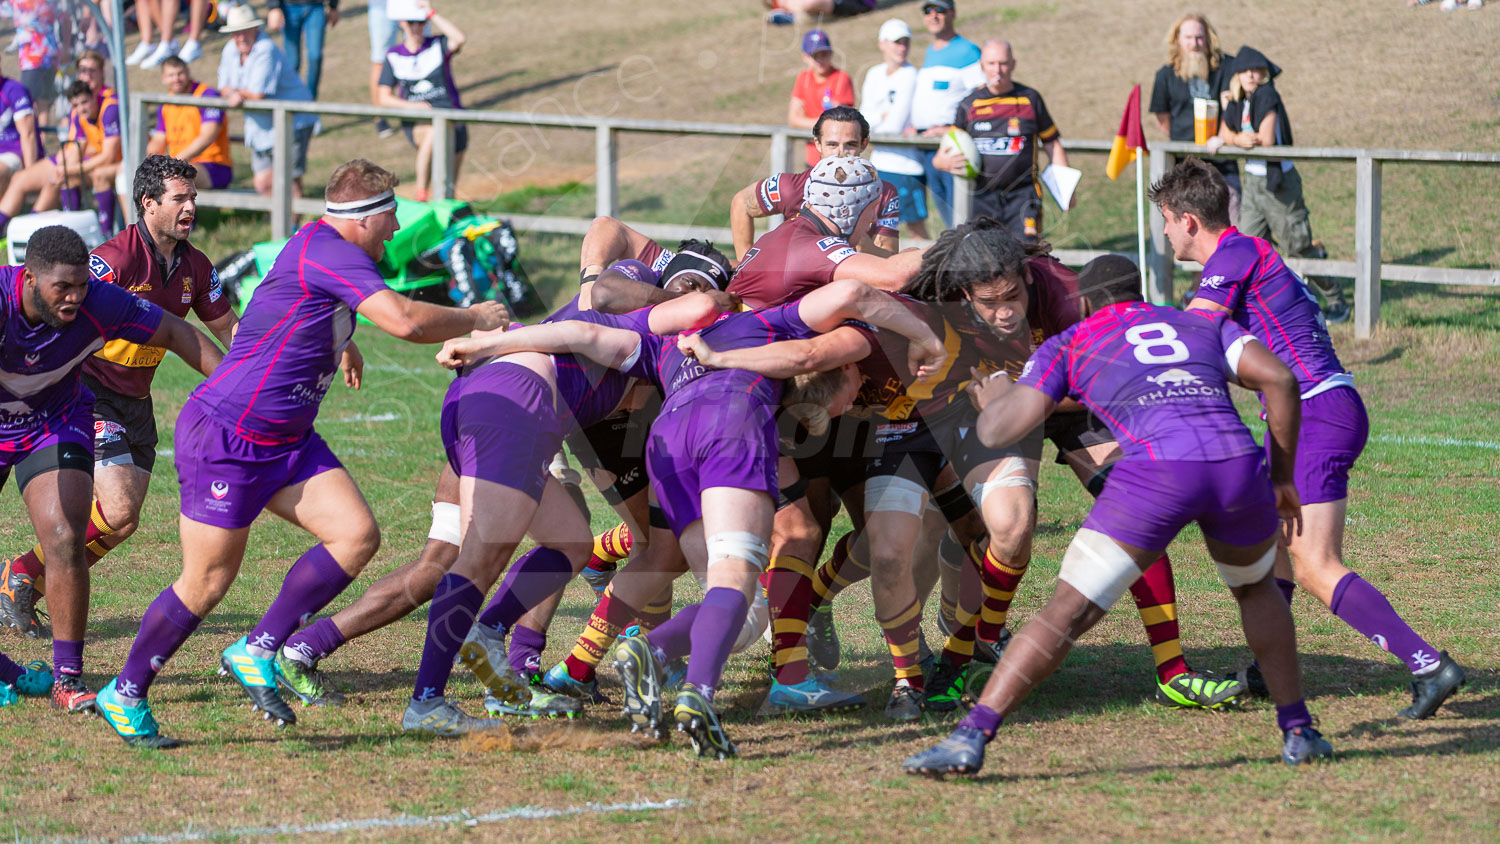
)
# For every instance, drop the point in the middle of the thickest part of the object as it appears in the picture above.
(101, 270)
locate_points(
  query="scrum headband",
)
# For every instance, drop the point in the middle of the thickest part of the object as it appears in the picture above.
(356, 209)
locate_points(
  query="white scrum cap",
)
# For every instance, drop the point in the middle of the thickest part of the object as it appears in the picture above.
(840, 188)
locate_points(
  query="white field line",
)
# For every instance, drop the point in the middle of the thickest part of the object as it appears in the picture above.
(406, 822)
(379, 417)
(1443, 441)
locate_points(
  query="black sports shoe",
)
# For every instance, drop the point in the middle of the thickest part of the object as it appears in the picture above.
(990, 652)
(960, 753)
(945, 686)
(696, 716)
(1429, 691)
(1253, 681)
(823, 639)
(1304, 744)
(905, 704)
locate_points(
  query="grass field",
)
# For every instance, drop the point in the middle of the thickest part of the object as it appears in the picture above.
(1089, 757)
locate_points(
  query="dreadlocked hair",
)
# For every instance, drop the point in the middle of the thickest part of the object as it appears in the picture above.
(976, 252)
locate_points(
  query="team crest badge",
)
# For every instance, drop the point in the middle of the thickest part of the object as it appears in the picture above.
(187, 290)
(1013, 127)
(218, 489)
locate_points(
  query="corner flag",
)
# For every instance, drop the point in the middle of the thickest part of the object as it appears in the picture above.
(1129, 138)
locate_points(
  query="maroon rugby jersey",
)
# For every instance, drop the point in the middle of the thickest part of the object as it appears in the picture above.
(782, 194)
(790, 262)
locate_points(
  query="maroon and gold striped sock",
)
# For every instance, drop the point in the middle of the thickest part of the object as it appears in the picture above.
(1000, 582)
(655, 613)
(1156, 599)
(841, 571)
(610, 547)
(902, 635)
(610, 617)
(789, 589)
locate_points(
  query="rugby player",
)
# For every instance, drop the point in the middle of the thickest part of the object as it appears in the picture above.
(711, 457)
(1159, 378)
(154, 260)
(1245, 277)
(841, 131)
(56, 315)
(245, 443)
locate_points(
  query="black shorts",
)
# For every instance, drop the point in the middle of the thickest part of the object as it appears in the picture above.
(839, 455)
(617, 445)
(64, 455)
(1076, 432)
(124, 428)
(1019, 210)
(460, 135)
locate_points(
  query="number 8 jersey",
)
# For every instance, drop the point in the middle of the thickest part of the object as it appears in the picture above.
(1158, 377)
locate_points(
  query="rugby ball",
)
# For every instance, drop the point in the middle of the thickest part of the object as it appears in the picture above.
(957, 140)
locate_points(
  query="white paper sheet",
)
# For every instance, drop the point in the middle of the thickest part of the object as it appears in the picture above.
(1061, 182)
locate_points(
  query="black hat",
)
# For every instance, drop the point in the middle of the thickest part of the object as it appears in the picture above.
(1249, 57)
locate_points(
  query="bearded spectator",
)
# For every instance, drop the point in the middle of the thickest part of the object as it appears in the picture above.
(1196, 69)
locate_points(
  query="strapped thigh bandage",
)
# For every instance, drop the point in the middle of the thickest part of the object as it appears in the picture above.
(892, 494)
(445, 527)
(1098, 568)
(1237, 576)
(739, 545)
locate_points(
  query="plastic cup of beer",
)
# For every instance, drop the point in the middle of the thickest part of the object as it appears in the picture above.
(1205, 120)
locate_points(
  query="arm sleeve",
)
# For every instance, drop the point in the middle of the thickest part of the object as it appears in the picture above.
(889, 221)
(961, 114)
(785, 322)
(1047, 371)
(122, 314)
(350, 277)
(387, 73)
(1046, 130)
(1160, 101)
(210, 114)
(209, 301)
(161, 119)
(768, 194)
(1226, 275)
(110, 118)
(20, 104)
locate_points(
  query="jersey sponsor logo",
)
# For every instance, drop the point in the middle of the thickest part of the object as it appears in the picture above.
(32, 359)
(218, 489)
(894, 431)
(770, 191)
(828, 243)
(982, 126)
(1000, 146)
(662, 260)
(1174, 378)
(101, 270)
(842, 254)
(215, 288)
(1026, 370)
(1214, 281)
(106, 431)
(187, 290)
(1013, 127)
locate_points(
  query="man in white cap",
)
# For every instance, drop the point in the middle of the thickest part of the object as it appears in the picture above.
(885, 101)
(254, 68)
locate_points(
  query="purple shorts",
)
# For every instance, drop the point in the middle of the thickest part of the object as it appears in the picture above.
(219, 175)
(227, 480)
(723, 440)
(1334, 430)
(1146, 503)
(77, 426)
(499, 424)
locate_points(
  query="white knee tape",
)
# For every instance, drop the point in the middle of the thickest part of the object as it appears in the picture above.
(1237, 576)
(1098, 568)
(757, 622)
(739, 545)
(445, 527)
(890, 494)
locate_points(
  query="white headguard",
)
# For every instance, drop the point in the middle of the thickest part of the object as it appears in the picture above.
(840, 188)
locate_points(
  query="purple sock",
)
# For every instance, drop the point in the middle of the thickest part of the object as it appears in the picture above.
(315, 641)
(720, 619)
(983, 719)
(67, 658)
(448, 622)
(1295, 715)
(525, 653)
(71, 199)
(531, 580)
(1287, 587)
(10, 672)
(165, 626)
(104, 200)
(672, 639)
(314, 580)
(1362, 607)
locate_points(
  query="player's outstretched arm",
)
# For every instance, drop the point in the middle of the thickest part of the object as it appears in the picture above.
(786, 358)
(188, 343)
(612, 347)
(690, 312)
(615, 293)
(1259, 369)
(420, 322)
(1007, 411)
(891, 273)
(831, 305)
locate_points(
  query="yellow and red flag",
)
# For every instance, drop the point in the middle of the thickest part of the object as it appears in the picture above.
(1129, 138)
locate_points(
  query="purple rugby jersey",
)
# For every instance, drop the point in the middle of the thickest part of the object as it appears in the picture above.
(286, 352)
(591, 391)
(1247, 276)
(683, 379)
(39, 364)
(1155, 376)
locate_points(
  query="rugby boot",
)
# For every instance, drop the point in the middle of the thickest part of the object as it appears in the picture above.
(257, 676)
(1199, 690)
(305, 681)
(442, 717)
(945, 687)
(673, 675)
(1253, 681)
(811, 695)
(989, 653)
(962, 752)
(641, 675)
(484, 654)
(544, 703)
(71, 695)
(823, 639)
(627, 632)
(35, 682)
(1304, 744)
(1429, 691)
(133, 724)
(558, 680)
(599, 579)
(905, 704)
(696, 716)
(18, 603)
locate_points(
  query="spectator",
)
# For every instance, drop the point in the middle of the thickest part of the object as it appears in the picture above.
(885, 100)
(791, 11)
(819, 87)
(20, 142)
(162, 13)
(198, 135)
(91, 149)
(418, 75)
(1007, 120)
(254, 68)
(950, 70)
(1271, 206)
(41, 33)
(93, 68)
(382, 37)
(1196, 69)
(303, 18)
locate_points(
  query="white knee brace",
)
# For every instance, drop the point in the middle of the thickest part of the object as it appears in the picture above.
(890, 494)
(1237, 576)
(1098, 568)
(739, 545)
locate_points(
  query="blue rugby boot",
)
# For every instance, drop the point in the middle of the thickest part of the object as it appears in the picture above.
(134, 724)
(960, 753)
(257, 676)
(1304, 744)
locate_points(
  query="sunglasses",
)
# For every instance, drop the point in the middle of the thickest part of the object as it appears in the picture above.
(934, 10)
